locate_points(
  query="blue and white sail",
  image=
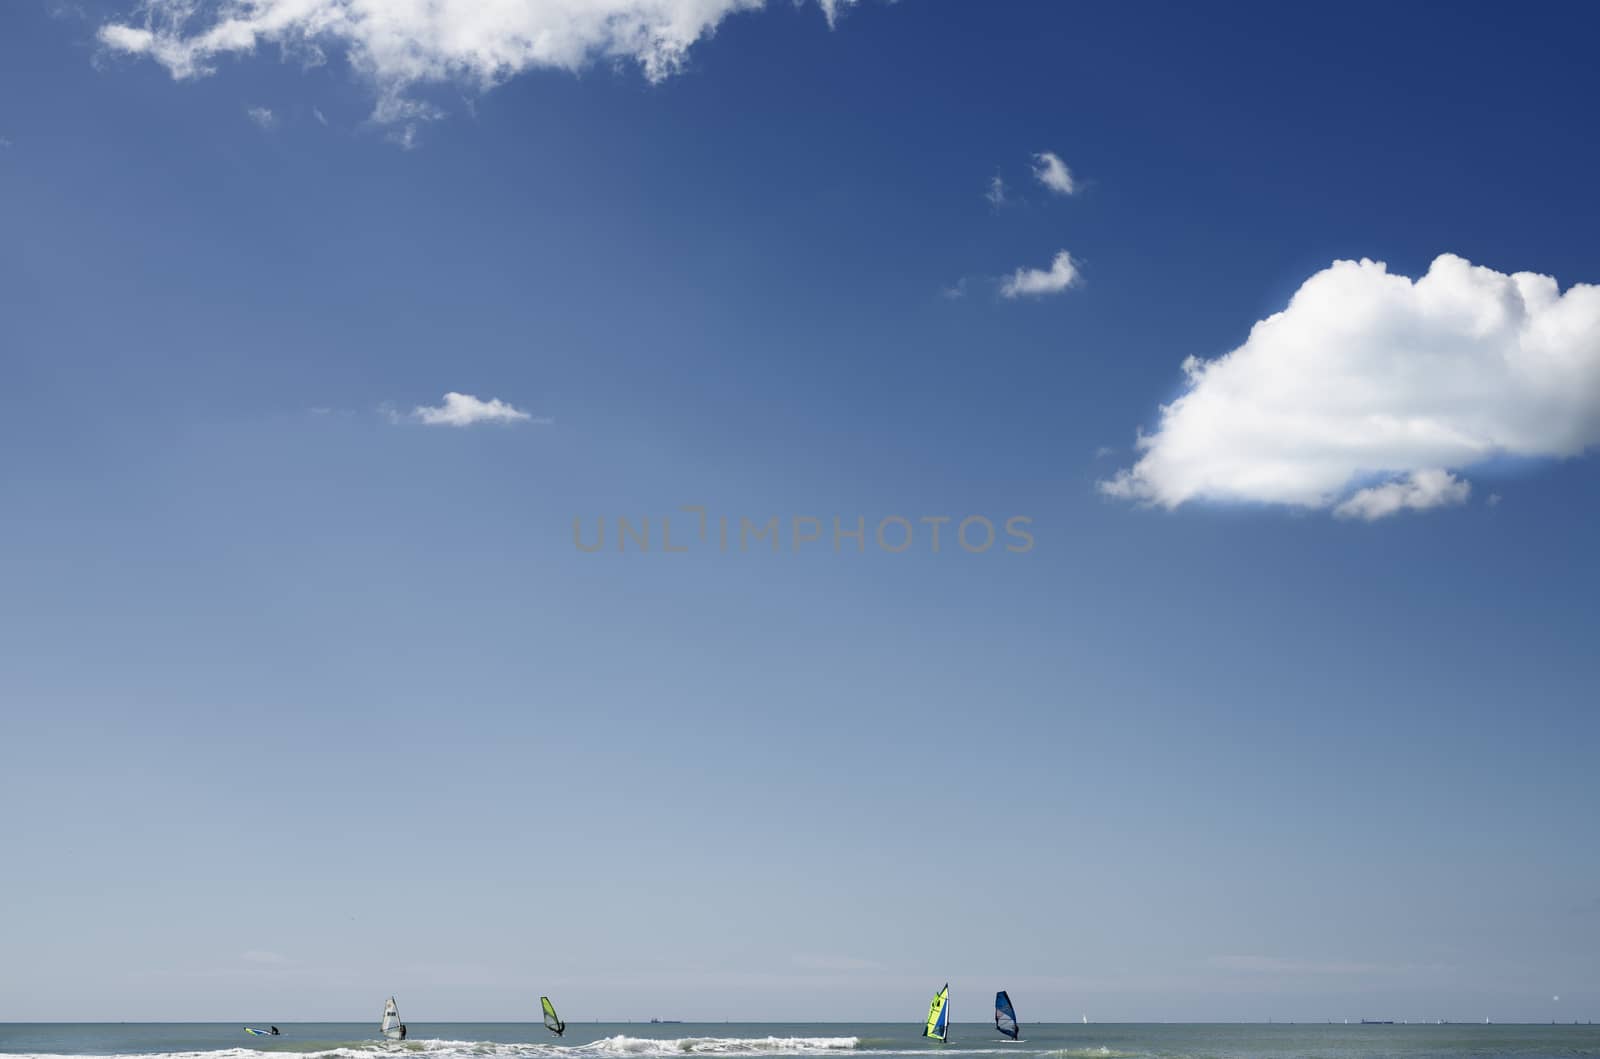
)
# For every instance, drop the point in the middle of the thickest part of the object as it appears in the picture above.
(1005, 1016)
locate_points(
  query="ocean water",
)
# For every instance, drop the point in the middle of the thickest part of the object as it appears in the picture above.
(507, 1040)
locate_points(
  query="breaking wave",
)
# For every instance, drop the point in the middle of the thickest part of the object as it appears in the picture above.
(604, 1048)
(717, 1046)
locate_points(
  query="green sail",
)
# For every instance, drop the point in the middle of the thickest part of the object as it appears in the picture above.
(938, 1015)
(552, 1021)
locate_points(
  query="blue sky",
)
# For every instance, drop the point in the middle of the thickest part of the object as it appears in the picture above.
(288, 666)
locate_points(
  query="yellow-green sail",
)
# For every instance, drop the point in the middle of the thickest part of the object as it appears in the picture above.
(552, 1021)
(939, 1015)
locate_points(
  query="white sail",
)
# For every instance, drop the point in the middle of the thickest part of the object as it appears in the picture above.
(393, 1028)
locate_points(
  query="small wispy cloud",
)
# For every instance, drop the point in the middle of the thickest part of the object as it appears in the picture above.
(1052, 172)
(465, 410)
(262, 116)
(322, 119)
(1494, 499)
(996, 194)
(261, 956)
(955, 291)
(1289, 965)
(404, 117)
(4, 142)
(1037, 282)
(816, 962)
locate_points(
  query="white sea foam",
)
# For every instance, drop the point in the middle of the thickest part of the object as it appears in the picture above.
(718, 1045)
(605, 1048)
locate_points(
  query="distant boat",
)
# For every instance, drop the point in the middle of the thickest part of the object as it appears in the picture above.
(1086, 1020)
(666, 1022)
(939, 1016)
(552, 1021)
(392, 1027)
(1377, 1022)
(270, 1031)
(1005, 1016)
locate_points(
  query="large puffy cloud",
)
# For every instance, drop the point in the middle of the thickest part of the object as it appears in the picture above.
(399, 43)
(1370, 388)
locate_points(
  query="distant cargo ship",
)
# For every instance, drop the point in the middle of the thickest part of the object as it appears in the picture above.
(666, 1022)
(1377, 1022)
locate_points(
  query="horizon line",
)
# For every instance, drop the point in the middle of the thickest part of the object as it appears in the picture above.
(1274, 1021)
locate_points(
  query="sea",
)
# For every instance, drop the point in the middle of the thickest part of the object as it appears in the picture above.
(507, 1040)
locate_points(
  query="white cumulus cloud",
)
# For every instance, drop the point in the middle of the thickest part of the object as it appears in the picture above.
(465, 410)
(1371, 388)
(262, 116)
(1052, 172)
(1035, 282)
(397, 44)
(1417, 491)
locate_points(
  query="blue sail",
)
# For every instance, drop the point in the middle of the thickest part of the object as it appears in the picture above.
(1005, 1016)
(938, 1015)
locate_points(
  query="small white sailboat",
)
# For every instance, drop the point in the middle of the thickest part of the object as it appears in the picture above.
(392, 1027)
(1086, 1020)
